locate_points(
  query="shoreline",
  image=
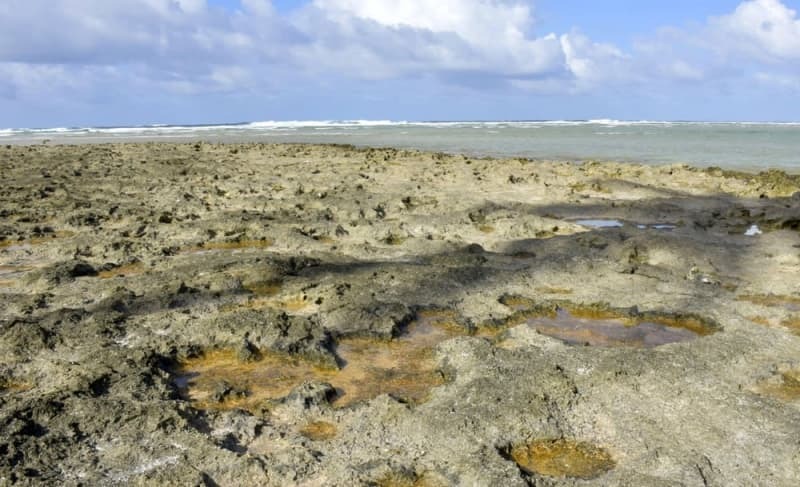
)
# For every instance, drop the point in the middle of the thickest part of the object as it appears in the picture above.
(741, 170)
(733, 146)
(431, 317)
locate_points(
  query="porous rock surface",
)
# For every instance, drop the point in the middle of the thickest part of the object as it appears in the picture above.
(118, 262)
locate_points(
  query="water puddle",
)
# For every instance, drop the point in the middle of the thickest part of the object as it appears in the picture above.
(658, 226)
(600, 223)
(608, 332)
(600, 326)
(404, 367)
(611, 223)
(562, 458)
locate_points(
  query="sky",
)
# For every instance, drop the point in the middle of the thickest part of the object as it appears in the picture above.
(76, 63)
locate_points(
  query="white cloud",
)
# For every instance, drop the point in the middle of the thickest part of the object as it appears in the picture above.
(763, 29)
(189, 46)
(479, 22)
(488, 37)
(593, 62)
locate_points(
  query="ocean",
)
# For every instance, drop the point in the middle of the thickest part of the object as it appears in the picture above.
(730, 145)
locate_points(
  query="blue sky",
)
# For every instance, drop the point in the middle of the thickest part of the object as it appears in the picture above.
(98, 62)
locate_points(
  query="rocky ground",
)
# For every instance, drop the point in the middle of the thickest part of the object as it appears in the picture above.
(211, 314)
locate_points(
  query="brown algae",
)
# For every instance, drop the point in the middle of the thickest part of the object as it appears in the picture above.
(791, 303)
(12, 386)
(793, 324)
(39, 240)
(319, 431)
(784, 387)
(404, 367)
(562, 458)
(264, 288)
(295, 304)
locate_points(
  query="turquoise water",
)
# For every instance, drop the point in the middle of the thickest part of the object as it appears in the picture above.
(735, 145)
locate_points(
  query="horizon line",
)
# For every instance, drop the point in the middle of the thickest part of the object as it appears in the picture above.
(366, 122)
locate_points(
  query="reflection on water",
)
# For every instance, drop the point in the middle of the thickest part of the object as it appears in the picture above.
(608, 332)
(599, 223)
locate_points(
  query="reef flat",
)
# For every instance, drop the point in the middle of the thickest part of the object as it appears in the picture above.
(278, 314)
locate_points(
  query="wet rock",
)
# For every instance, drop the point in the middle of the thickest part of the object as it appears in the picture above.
(310, 395)
(67, 271)
(378, 320)
(247, 352)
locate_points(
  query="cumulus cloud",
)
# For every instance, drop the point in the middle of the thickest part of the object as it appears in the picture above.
(763, 29)
(75, 47)
(389, 38)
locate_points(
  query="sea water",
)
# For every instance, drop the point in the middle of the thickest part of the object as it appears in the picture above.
(730, 145)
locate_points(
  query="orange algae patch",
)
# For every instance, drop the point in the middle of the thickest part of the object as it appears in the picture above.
(319, 431)
(599, 313)
(11, 387)
(133, 268)
(519, 303)
(793, 324)
(37, 240)
(562, 458)
(265, 288)
(404, 367)
(786, 389)
(292, 304)
(694, 324)
(772, 300)
(326, 239)
(759, 320)
(272, 376)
